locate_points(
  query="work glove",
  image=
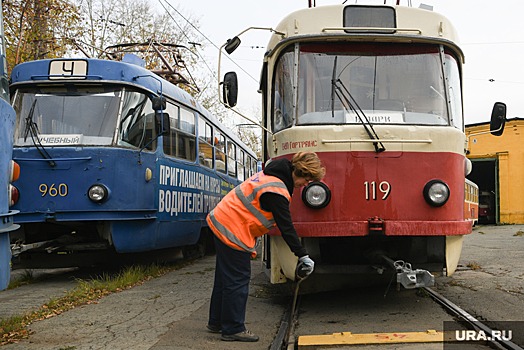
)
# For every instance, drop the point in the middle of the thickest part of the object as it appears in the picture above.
(305, 266)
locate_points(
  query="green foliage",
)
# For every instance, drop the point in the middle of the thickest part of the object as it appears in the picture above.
(36, 29)
(25, 278)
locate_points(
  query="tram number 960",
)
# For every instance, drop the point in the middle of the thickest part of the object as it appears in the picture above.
(372, 190)
(53, 190)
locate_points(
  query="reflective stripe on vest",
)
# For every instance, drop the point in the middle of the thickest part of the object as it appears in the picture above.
(239, 220)
(247, 201)
(230, 235)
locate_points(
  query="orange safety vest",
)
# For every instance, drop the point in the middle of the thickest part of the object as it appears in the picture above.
(238, 220)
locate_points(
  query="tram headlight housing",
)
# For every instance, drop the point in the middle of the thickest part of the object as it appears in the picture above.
(316, 195)
(13, 194)
(15, 171)
(436, 193)
(98, 193)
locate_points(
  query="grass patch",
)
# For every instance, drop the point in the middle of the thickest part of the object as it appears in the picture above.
(519, 233)
(86, 292)
(25, 278)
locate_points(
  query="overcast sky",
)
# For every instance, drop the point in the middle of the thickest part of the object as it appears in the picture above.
(490, 33)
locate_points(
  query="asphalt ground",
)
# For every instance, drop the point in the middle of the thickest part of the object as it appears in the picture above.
(171, 312)
(490, 280)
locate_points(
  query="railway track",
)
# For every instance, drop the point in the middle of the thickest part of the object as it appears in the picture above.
(286, 339)
(473, 323)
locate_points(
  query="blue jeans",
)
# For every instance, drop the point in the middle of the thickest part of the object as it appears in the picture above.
(231, 289)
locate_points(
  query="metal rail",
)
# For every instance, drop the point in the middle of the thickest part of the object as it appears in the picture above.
(470, 320)
(282, 341)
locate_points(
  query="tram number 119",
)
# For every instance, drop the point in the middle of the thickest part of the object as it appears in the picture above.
(371, 189)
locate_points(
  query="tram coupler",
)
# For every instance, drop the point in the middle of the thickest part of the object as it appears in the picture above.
(410, 278)
(18, 248)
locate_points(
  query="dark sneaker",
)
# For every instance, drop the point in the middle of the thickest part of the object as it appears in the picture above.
(242, 336)
(214, 329)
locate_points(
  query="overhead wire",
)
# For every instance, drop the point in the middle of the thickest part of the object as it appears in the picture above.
(188, 39)
(205, 37)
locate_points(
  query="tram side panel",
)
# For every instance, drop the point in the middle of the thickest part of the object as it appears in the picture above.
(7, 120)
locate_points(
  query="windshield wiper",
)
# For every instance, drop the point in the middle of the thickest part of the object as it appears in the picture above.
(339, 89)
(29, 120)
(31, 128)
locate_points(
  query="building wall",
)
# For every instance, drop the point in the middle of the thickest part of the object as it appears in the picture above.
(509, 152)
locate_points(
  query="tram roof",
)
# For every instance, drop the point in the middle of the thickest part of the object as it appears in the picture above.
(412, 25)
(105, 71)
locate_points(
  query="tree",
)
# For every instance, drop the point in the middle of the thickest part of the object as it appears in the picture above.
(167, 41)
(250, 134)
(117, 27)
(36, 29)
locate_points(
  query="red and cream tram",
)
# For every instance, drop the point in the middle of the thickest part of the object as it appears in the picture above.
(376, 92)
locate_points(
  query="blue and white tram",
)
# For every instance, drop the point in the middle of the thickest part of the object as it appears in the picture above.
(114, 158)
(8, 169)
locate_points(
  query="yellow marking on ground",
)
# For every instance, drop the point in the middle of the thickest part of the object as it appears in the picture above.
(344, 338)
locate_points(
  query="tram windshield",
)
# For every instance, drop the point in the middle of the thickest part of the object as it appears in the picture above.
(82, 115)
(387, 83)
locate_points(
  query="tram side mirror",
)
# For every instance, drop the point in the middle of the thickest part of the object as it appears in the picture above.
(498, 119)
(163, 123)
(230, 89)
(159, 103)
(232, 44)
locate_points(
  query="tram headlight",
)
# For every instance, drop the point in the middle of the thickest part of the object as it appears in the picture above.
(98, 193)
(14, 195)
(468, 166)
(436, 193)
(15, 171)
(316, 195)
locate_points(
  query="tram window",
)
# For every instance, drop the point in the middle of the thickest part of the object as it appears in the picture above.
(220, 154)
(137, 127)
(187, 121)
(88, 112)
(231, 158)
(254, 166)
(283, 109)
(170, 137)
(186, 137)
(249, 166)
(392, 84)
(241, 171)
(205, 143)
(453, 76)
(181, 140)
